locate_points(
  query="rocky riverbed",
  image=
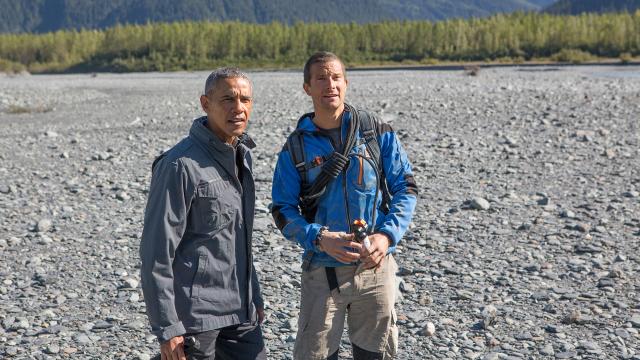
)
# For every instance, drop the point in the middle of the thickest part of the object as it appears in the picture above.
(525, 243)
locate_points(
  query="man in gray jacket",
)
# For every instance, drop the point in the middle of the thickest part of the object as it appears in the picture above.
(197, 271)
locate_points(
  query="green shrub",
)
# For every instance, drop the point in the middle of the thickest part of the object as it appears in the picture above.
(10, 67)
(19, 109)
(573, 56)
(626, 58)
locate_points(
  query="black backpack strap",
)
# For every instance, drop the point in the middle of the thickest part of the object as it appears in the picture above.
(155, 162)
(295, 145)
(332, 278)
(370, 135)
(369, 131)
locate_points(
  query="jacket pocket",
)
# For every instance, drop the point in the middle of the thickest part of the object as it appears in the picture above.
(200, 275)
(361, 172)
(213, 208)
(215, 280)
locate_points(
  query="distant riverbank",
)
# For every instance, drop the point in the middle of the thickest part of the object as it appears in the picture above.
(519, 38)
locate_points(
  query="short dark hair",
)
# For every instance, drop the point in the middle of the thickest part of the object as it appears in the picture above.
(223, 73)
(321, 57)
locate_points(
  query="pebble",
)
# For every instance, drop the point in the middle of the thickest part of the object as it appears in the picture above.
(44, 225)
(489, 314)
(122, 196)
(566, 355)
(81, 339)
(582, 227)
(52, 349)
(69, 350)
(130, 283)
(546, 350)
(429, 329)
(478, 203)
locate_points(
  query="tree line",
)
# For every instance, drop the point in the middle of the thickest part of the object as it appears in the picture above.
(202, 45)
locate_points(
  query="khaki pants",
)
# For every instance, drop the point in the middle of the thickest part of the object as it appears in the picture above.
(366, 298)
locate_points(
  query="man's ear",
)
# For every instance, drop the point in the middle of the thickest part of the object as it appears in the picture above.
(305, 86)
(204, 102)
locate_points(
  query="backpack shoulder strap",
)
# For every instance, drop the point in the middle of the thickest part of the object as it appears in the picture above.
(155, 162)
(369, 130)
(295, 145)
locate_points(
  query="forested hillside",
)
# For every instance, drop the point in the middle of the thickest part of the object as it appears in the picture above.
(575, 7)
(202, 45)
(51, 15)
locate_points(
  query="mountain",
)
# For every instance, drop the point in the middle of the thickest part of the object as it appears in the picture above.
(599, 6)
(50, 15)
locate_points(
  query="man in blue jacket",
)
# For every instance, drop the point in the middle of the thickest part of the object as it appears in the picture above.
(343, 277)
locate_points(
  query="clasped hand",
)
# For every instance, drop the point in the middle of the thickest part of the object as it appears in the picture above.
(342, 247)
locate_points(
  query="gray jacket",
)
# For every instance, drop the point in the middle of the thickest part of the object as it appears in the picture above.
(197, 269)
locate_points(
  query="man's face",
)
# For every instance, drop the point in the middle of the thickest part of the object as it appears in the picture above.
(327, 85)
(228, 107)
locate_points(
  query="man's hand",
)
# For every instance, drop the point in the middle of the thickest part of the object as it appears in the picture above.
(374, 256)
(340, 246)
(260, 311)
(173, 349)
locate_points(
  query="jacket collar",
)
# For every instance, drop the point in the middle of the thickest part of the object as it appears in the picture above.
(306, 123)
(202, 134)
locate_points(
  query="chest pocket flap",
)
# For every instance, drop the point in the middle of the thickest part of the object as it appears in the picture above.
(214, 204)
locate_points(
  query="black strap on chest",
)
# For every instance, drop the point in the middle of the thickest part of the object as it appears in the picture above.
(311, 192)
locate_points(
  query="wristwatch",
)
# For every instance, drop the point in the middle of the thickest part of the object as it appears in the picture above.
(316, 242)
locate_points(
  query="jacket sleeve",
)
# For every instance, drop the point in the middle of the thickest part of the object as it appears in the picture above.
(165, 219)
(255, 290)
(401, 184)
(285, 195)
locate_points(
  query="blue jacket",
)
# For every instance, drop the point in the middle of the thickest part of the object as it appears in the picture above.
(352, 193)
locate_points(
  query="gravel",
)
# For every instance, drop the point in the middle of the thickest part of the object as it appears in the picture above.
(525, 242)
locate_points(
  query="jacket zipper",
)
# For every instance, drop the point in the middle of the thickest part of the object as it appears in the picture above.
(361, 171)
(344, 181)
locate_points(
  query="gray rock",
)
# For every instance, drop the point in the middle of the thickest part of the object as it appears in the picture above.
(81, 339)
(588, 345)
(429, 329)
(567, 214)
(479, 203)
(623, 333)
(122, 196)
(546, 350)
(52, 349)
(143, 356)
(101, 325)
(489, 315)
(130, 283)
(43, 225)
(582, 227)
(566, 355)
